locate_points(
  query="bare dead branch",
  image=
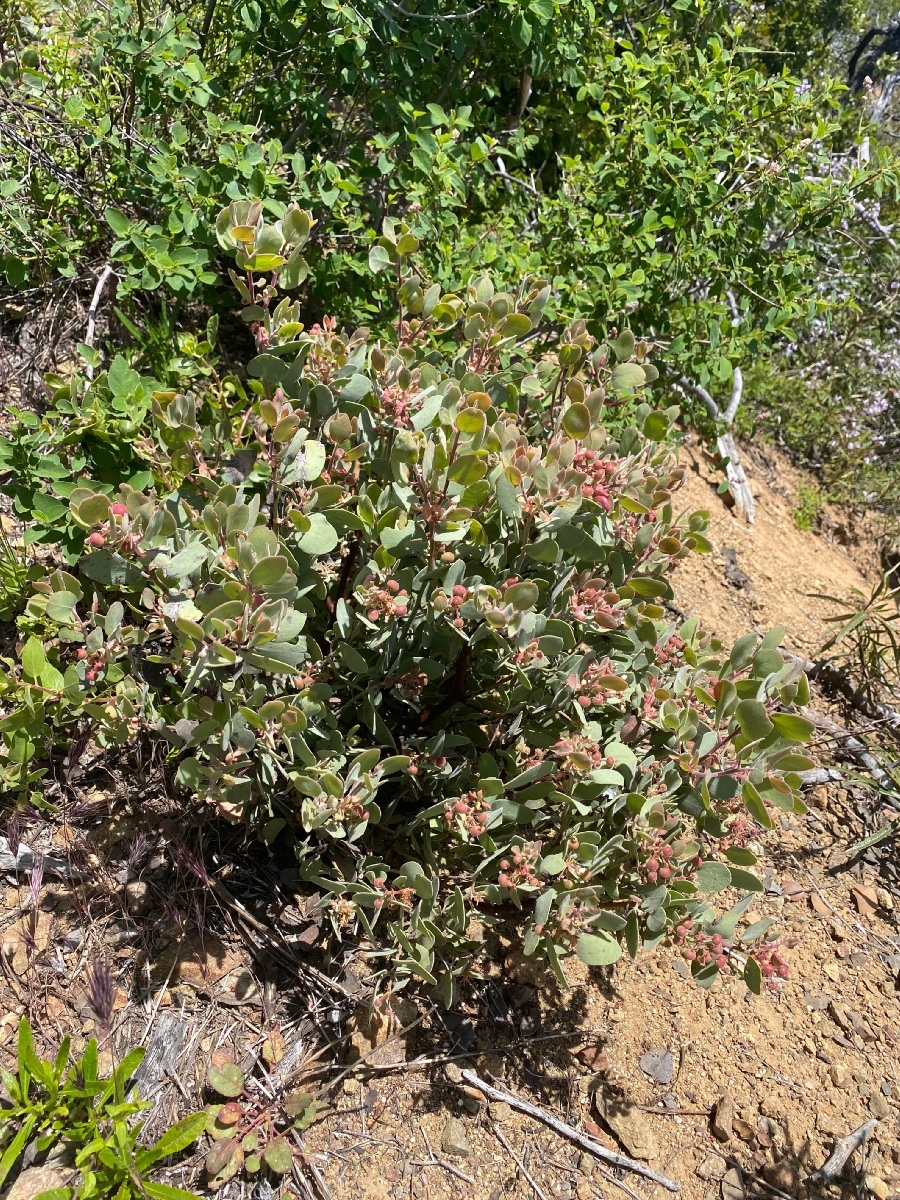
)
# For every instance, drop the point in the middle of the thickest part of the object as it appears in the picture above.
(843, 1148)
(580, 1139)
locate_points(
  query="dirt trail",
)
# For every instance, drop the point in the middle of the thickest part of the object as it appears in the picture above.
(775, 567)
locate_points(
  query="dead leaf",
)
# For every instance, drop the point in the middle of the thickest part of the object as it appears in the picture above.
(819, 905)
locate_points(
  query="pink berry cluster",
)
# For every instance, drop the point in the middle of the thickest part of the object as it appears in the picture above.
(594, 686)
(590, 603)
(659, 861)
(453, 603)
(771, 963)
(395, 405)
(739, 833)
(700, 947)
(668, 653)
(391, 600)
(650, 707)
(529, 654)
(93, 662)
(434, 762)
(116, 532)
(468, 814)
(519, 869)
(658, 867)
(599, 472)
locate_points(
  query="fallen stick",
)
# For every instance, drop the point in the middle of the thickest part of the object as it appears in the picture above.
(843, 1148)
(836, 679)
(853, 746)
(25, 859)
(580, 1139)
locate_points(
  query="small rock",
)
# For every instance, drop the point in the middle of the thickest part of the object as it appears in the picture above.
(838, 1015)
(454, 1140)
(876, 1186)
(453, 1073)
(770, 1129)
(713, 1166)
(879, 1107)
(593, 1058)
(865, 899)
(840, 1075)
(722, 1123)
(629, 1124)
(793, 891)
(885, 899)
(586, 1163)
(138, 897)
(500, 1111)
(473, 1100)
(858, 958)
(818, 905)
(886, 1088)
(817, 1001)
(658, 1065)
(37, 1179)
(782, 1175)
(583, 1190)
(681, 968)
(743, 1129)
(732, 1185)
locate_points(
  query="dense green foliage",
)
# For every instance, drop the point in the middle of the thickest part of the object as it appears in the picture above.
(643, 165)
(401, 601)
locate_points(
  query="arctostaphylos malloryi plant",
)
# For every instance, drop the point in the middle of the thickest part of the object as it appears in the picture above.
(418, 627)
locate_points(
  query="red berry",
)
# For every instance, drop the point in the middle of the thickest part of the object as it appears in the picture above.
(118, 510)
(96, 539)
(392, 585)
(81, 652)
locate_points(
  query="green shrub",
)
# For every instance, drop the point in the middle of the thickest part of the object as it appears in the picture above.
(406, 608)
(641, 163)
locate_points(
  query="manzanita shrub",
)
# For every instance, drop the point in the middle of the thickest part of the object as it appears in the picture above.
(406, 608)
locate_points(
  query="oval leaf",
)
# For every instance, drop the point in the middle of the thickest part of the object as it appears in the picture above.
(598, 949)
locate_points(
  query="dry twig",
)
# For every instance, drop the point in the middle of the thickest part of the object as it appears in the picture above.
(843, 1148)
(581, 1139)
(498, 1133)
